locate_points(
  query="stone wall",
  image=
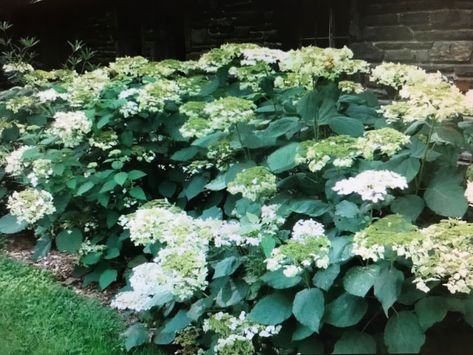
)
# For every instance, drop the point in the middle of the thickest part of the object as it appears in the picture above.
(435, 34)
(213, 22)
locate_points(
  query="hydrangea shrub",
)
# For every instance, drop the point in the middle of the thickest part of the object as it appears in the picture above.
(255, 200)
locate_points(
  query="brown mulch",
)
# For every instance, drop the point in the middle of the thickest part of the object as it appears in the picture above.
(61, 266)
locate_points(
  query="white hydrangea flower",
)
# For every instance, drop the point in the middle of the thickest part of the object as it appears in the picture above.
(15, 165)
(42, 169)
(469, 193)
(371, 185)
(252, 56)
(31, 205)
(70, 127)
(17, 67)
(397, 75)
(153, 96)
(307, 228)
(50, 95)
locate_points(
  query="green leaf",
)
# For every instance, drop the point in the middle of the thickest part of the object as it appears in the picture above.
(272, 309)
(325, 278)
(407, 167)
(42, 248)
(231, 293)
(195, 187)
(388, 286)
(431, 310)
(136, 335)
(104, 120)
(107, 277)
(309, 207)
(308, 106)
(120, 178)
(345, 311)
(226, 266)
(283, 159)
(138, 193)
(301, 332)
(277, 279)
(136, 174)
(446, 198)
(355, 342)
(10, 225)
(403, 334)
(308, 308)
(167, 188)
(109, 185)
(178, 322)
(199, 307)
(346, 209)
(346, 125)
(69, 240)
(267, 244)
(359, 279)
(84, 188)
(410, 206)
(185, 154)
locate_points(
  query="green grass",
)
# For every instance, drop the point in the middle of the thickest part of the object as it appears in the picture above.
(39, 316)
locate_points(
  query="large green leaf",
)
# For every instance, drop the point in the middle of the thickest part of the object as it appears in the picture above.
(309, 207)
(387, 286)
(226, 266)
(277, 279)
(345, 311)
(231, 293)
(359, 279)
(283, 159)
(136, 335)
(403, 333)
(195, 187)
(308, 106)
(107, 277)
(410, 206)
(272, 309)
(325, 278)
(346, 125)
(308, 308)
(69, 240)
(10, 225)
(407, 167)
(446, 198)
(354, 342)
(431, 310)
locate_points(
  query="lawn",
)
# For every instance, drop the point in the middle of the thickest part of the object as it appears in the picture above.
(39, 316)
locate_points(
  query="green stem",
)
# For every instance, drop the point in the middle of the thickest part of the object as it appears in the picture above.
(424, 158)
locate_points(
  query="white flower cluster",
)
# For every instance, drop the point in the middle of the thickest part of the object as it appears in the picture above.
(70, 127)
(396, 75)
(447, 255)
(392, 233)
(251, 76)
(339, 150)
(180, 268)
(221, 114)
(127, 67)
(42, 169)
(350, 87)
(371, 185)
(252, 56)
(14, 163)
(85, 89)
(105, 140)
(153, 96)
(387, 141)
(311, 62)
(235, 334)
(31, 205)
(254, 183)
(88, 248)
(18, 67)
(214, 59)
(307, 246)
(50, 95)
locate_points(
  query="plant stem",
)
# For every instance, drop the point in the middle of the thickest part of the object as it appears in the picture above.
(424, 158)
